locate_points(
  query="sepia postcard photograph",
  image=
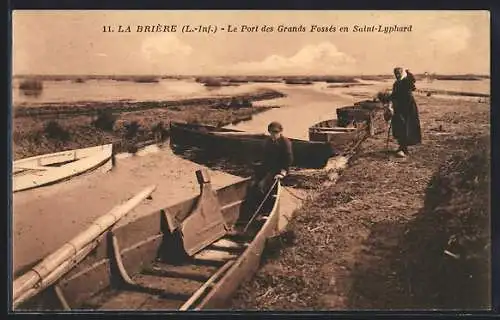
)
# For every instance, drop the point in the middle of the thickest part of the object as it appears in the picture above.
(191, 160)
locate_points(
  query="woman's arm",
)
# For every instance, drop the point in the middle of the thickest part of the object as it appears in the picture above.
(411, 80)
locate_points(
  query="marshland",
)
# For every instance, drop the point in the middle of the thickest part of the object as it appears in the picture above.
(387, 234)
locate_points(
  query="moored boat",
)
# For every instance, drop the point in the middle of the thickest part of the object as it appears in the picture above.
(363, 112)
(243, 146)
(369, 104)
(342, 138)
(189, 256)
(46, 169)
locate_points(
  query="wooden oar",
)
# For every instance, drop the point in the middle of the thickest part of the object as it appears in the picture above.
(40, 272)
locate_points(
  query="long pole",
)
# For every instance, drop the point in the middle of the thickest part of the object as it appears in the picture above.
(261, 204)
(71, 249)
(388, 135)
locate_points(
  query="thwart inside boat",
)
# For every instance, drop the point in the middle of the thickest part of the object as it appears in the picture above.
(188, 256)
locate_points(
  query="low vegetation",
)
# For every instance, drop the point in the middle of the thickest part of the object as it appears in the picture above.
(392, 234)
(88, 108)
(132, 129)
(53, 130)
(146, 79)
(465, 77)
(137, 123)
(31, 84)
(105, 120)
(448, 243)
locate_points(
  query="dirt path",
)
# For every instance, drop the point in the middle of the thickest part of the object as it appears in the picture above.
(46, 217)
(346, 245)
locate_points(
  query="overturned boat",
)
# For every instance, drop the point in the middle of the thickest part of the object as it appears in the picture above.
(51, 168)
(243, 146)
(189, 256)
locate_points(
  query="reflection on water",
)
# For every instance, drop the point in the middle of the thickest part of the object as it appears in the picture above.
(166, 89)
(303, 107)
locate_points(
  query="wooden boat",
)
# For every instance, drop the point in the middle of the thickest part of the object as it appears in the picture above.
(189, 256)
(343, 138)
(362, 113)
(50, 168)
(352, 114)
(369, 104)
(243, 146)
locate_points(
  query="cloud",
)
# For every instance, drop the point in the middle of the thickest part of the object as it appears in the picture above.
(450, 40)
(320, 58)
(158, 47)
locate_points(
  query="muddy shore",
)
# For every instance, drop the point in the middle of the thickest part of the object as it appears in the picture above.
(40, 129)
(377, 238)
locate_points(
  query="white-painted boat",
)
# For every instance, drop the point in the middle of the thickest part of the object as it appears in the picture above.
(50, 168)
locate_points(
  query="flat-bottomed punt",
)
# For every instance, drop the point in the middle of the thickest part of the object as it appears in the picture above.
(243, 146)
(352, 126)
(51, 168)
(189, 256)
(344, 139)
(363, 112)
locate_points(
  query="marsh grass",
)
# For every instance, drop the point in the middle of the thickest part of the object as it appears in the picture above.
(377, 238)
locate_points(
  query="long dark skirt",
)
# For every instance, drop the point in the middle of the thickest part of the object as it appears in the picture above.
(406, 123)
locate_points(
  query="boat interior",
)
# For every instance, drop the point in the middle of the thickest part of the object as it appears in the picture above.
(169, 259)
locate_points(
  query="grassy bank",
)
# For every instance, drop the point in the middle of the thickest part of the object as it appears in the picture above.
(453, 93)
(91, 107)
(377, 238)
(54, 131)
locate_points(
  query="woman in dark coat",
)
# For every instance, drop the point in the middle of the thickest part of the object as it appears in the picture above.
(405, 121)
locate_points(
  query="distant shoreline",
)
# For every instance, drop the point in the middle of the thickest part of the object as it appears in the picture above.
(132, 76)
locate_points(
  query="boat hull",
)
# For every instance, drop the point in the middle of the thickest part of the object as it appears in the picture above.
(244, 147)
(363, 112)
(137, 266)
(39, 171)
(245, 266)
(342, 138)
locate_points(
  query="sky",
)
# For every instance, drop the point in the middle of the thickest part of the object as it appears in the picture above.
(73, 42)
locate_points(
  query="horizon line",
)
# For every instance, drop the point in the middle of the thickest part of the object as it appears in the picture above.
(234, 75)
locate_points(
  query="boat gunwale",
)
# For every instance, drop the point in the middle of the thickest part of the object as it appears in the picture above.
(233, 270)
(258, 137)
(101, 147)
(69, 277)
(101, 157)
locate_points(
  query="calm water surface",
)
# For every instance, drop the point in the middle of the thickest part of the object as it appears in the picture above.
(305, 104)
(166, 89)
(111, 90)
